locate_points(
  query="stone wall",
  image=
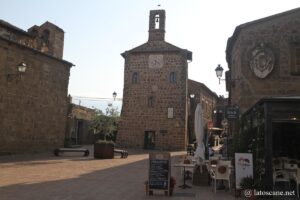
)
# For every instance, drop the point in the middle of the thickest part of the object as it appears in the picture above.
(79, 125)
(278, 34)
(207, 99)
(33, 107)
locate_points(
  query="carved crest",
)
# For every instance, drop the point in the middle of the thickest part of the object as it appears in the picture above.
(262, 61)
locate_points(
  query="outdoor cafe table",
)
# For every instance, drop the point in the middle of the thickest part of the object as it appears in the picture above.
(182, 165)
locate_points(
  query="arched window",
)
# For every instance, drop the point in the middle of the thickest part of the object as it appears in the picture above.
(45, 36)
(172, 77)
(135, 77)
(157, 21)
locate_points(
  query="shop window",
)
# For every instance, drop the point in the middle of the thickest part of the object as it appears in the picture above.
(295, 60)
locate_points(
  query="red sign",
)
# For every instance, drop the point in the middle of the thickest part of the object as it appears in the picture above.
(210, 124)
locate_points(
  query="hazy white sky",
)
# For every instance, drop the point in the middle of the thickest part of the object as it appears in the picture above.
(97, 31)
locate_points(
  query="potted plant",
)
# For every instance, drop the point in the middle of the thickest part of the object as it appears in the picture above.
(248, 186)
(104, 149)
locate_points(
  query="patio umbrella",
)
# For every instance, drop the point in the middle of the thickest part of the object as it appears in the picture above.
(199, 132)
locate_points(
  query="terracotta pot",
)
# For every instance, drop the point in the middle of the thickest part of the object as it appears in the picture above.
(104, 150)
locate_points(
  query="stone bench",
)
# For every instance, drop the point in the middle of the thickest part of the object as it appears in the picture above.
(62, 150)
(124, 154)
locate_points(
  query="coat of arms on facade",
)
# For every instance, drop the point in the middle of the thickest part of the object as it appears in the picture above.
(262, 61)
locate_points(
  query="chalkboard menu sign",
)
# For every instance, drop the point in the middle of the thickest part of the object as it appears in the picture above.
(159, 171)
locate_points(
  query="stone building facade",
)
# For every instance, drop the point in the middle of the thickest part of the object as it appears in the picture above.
(209, 100)
(33, 106)
(79, 125)
(264, 59)
(154, 111)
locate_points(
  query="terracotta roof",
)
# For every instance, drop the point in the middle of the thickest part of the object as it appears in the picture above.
(201, 85)
(47, 22)
(155, 46)
(36, 51)
(232, 39)
(12, 27)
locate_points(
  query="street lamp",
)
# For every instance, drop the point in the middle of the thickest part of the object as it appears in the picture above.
(114, 95)
(21, 70)
(22, 67)
(219, 72)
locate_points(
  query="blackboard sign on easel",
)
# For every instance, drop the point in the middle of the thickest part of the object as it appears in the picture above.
(159, 172)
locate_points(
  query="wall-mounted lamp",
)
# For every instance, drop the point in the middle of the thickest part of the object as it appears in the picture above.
(219, 72)
(114, 95)
(21, 70)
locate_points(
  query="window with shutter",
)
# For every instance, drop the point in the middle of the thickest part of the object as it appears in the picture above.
(295, 60)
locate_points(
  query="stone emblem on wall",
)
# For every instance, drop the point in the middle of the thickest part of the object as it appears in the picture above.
(262, 61)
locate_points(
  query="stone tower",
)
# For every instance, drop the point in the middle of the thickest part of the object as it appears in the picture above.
(49, 39)
(154, 112)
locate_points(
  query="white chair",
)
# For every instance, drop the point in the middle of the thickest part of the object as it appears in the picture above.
(296, 178)
(284, 160)
(221, 172)
(291, 169)
(224, 162)
(277, 164)
(216, 157)
(281, 176)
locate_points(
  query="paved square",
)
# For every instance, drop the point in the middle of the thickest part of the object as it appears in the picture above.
(72, 177)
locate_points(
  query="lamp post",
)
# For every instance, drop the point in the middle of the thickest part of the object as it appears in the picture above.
(114, 95)
(21, 67)
(219, 72)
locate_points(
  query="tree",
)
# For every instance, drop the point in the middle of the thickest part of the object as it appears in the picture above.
(105, 126)
(112, 112)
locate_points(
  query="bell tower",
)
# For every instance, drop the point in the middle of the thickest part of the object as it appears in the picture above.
(157, 22)
(154, 110)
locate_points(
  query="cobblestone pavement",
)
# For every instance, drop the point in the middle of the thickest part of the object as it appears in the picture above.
(72, 177)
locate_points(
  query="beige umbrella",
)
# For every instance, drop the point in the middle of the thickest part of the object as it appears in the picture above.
(199, 132)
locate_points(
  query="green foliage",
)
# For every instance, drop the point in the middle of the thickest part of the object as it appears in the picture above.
(113, 112)
(104, 142)
(105, 126)
(247, 183)
(250, 183)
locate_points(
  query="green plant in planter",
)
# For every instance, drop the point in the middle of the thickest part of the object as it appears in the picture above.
(104, 149)
(248, 186)
(247, 183)
(104, 142)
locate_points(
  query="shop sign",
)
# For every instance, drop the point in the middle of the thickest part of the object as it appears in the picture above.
(232, 112)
